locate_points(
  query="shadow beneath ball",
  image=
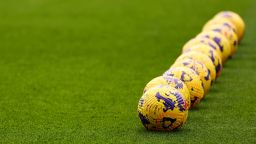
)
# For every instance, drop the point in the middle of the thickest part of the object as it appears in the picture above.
(206, 99)
(212, 91)
(244, 43)
(182, 130)
(197, 108)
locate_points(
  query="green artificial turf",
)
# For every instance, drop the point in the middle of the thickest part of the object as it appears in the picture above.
(73, 71)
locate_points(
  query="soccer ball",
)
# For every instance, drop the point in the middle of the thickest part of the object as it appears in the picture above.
(207, 50)
(205, 41)
(235, 19)
(199, 68)
(162, 108)
(222, 22)
(200, 58)
(192, 81)
(172, 82)
(228, 33)
(221, 40)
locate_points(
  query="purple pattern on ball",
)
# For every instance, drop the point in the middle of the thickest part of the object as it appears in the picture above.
(178, 85)
(180, 100)
(168, 103)
(217, 30)
(211, 45)
(141, 102)
(218, 68)
(144, 120)
(226, 14)
(208, 75)
(218, 40)
(227, 25)
(183, 77)
(168, 73)
(207, 36)
(185, 63)
(211, 56)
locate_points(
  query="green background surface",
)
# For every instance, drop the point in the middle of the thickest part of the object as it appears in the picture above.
(73, 71)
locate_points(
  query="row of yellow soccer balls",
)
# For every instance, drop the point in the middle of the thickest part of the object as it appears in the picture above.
(192, 74)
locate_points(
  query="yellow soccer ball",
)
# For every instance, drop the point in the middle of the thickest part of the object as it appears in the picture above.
(172, 82)
(221, 41)
(213, 55)
(201, 58)
(205, 41)
(192, 81)
(162, 108)
(228, 33)
(199, 68)
(222, 22)
(235, 19)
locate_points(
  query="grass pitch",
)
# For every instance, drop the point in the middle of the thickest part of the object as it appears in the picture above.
(73, 71)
